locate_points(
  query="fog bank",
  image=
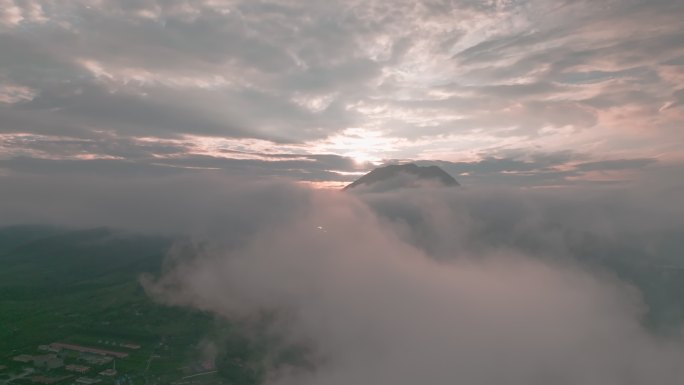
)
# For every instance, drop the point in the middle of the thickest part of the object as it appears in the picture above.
(409, 286)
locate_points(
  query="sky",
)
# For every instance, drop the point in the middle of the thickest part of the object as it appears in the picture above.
(538, 93)
(559, 260)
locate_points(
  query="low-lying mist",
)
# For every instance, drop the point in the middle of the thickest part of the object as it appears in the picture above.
(433, 286)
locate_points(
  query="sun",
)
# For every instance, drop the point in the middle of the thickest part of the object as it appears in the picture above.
(362, 145)
(361, 158)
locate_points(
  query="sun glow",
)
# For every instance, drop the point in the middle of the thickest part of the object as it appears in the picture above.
(361, 158)
(362, 145)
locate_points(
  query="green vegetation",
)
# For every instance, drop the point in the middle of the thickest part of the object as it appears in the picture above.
(82, 287)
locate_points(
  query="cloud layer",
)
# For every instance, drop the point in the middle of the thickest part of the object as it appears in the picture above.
(429, 286)
(491, 286)
(247, 85)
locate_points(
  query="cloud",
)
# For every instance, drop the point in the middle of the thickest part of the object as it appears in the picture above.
(544, 169)
(426, 79)
(158, 116)
(442, 286)
(618, 164)
(575, 285)
(385, 313)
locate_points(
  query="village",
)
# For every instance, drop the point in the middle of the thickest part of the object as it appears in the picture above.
(66, 363)
(76, 364)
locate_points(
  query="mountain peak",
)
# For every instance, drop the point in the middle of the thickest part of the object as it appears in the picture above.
(404, 175)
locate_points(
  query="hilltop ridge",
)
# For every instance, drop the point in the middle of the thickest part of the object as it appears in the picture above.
(412, 172)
